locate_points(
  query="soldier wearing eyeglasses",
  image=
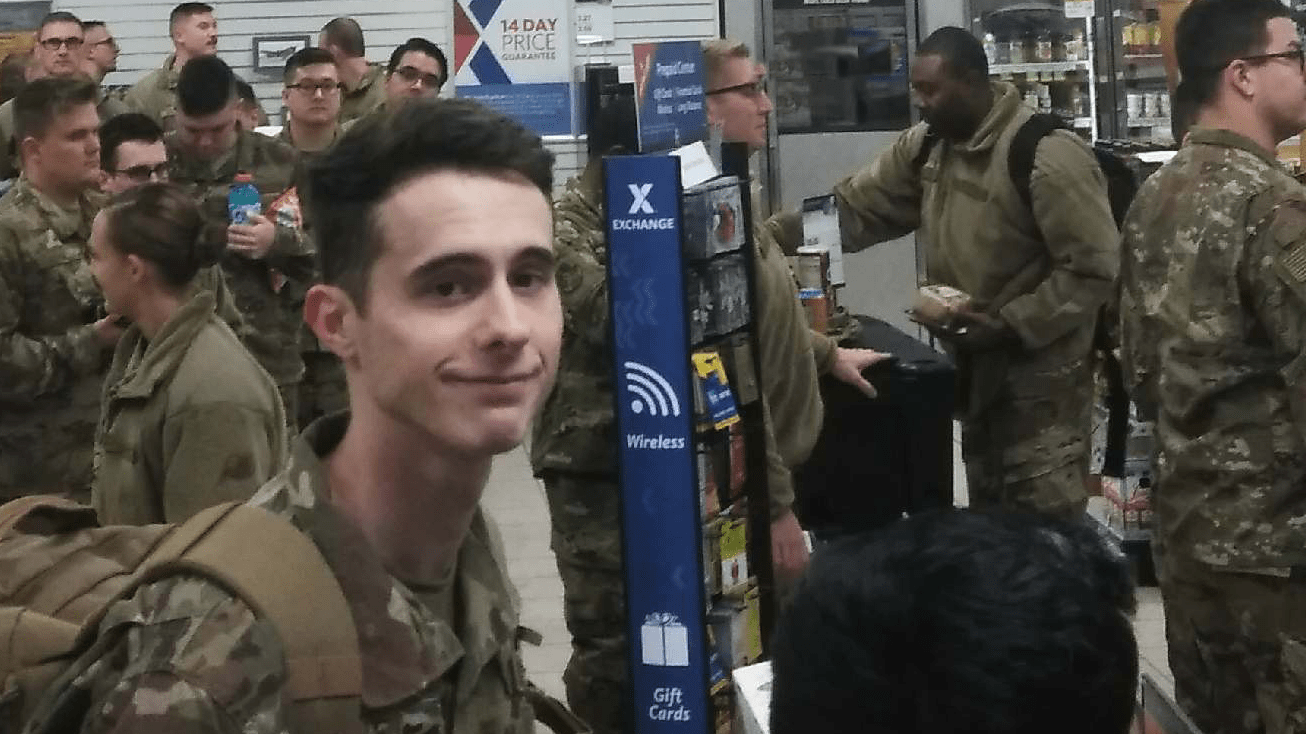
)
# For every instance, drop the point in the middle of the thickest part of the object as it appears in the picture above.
(59, 52)
(312, 96)
(1213, 331)
(417, 69)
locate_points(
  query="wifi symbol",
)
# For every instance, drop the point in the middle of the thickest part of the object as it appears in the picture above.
(651, 390)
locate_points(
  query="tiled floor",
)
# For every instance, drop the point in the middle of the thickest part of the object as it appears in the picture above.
(516, 501)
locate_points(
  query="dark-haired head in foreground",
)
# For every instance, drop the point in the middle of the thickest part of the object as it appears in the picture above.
(959, 622)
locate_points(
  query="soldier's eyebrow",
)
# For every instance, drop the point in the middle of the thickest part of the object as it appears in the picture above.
(536, 255)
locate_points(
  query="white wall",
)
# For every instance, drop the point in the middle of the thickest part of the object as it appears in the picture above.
(141, 28)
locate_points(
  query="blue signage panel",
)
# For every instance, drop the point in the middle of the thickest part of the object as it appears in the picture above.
(661, 530)
(669, 79)
(544, 108)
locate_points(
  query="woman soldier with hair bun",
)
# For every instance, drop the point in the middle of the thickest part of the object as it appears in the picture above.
(188, 418)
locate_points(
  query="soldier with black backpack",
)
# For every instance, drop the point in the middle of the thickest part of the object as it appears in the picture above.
(1038, 259)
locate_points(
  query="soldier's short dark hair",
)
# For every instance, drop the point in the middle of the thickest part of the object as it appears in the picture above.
(351, 180)
(59, 16)
(163, 225)
(128, 127)
(420, 45)
(13, 74)
(347, 35)
(40, 102)
(310, 56)
(959, 621)
(187, 10)
(205, 86)
(961, 51)
(1211, 34)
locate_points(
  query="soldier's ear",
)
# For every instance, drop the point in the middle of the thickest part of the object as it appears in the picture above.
(332, 317)
(28, 147)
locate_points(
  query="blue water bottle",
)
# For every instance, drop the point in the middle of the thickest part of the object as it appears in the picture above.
(242, 201)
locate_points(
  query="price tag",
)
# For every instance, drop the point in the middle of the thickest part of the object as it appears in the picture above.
(1079, 8)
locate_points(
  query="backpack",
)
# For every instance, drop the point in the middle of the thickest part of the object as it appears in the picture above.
(1121, 187)
(60, 572)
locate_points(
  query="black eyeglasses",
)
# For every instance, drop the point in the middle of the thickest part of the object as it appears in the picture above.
(145, 172)
(312, 88)
(1296, 54)
(748, 89)
(111, 43)
(52, 44)
(412, 75)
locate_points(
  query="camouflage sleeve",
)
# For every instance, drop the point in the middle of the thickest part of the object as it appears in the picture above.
(8, 146)
(883, 200)
(1069, 200)
(194, 660)
(582, 277)
(1137, 348)
(291, 253)
(1274, 276)
(34, 366)
(222, 452)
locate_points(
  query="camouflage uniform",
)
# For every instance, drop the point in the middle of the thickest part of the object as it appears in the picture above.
(573, 447)
(156, 94)
(1213, 328)
(195, 659)
(51, 365)
(322, 391)
(188, 420)
(366, 97)
(268, 292)
(108, 106)
(1045, 272)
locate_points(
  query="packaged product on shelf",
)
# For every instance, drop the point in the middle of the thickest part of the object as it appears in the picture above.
(712, 557)
(817, 308)
(708, 496)
(723, 710)
(736, 627)
(714, 219)
(991, 48)
(732, 548)
(1043, 47)
(812, 268)
(1076, 50)
(727, 282)
(715, 387)
(738, 464)
(1130, 497)
(698, 301)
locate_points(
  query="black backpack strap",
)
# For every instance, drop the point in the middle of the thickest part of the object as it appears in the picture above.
(927, 146)
(1020, 157)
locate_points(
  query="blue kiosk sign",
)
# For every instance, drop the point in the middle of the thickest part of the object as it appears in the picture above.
(660, 515)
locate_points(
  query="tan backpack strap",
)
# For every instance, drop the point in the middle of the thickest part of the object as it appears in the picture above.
(280, 573)
(62, 514)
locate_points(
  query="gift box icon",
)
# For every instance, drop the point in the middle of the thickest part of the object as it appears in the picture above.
(665, 641)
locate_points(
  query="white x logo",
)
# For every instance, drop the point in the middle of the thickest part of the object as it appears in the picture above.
(640, 193)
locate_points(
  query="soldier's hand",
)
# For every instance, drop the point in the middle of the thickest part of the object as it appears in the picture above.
(108, 330)
(980, 332)
(849, 363)
(252, 240)
(788, 548)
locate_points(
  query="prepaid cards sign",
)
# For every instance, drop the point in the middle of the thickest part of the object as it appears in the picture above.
(515, 56)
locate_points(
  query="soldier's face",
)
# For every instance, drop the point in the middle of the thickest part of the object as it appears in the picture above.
(738, 103)
(416, 75)
(68, 155)
(138, 162)
(101, 50)
(943, 97)
(460, 337)
(208, 137)
(112, 270)
(59, 48)
(315, 97)
(197, 34)
(1280, 83)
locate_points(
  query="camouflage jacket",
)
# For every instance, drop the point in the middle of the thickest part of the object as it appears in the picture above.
(198, 660)
(576, 429)
(109, 106)
(156, 94)
(1213, 329)
(188, 420)
(1045, 268)
(366, 97)
(268, 291)
(50, 362)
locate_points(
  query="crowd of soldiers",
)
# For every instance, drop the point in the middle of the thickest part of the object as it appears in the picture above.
(186, 122)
